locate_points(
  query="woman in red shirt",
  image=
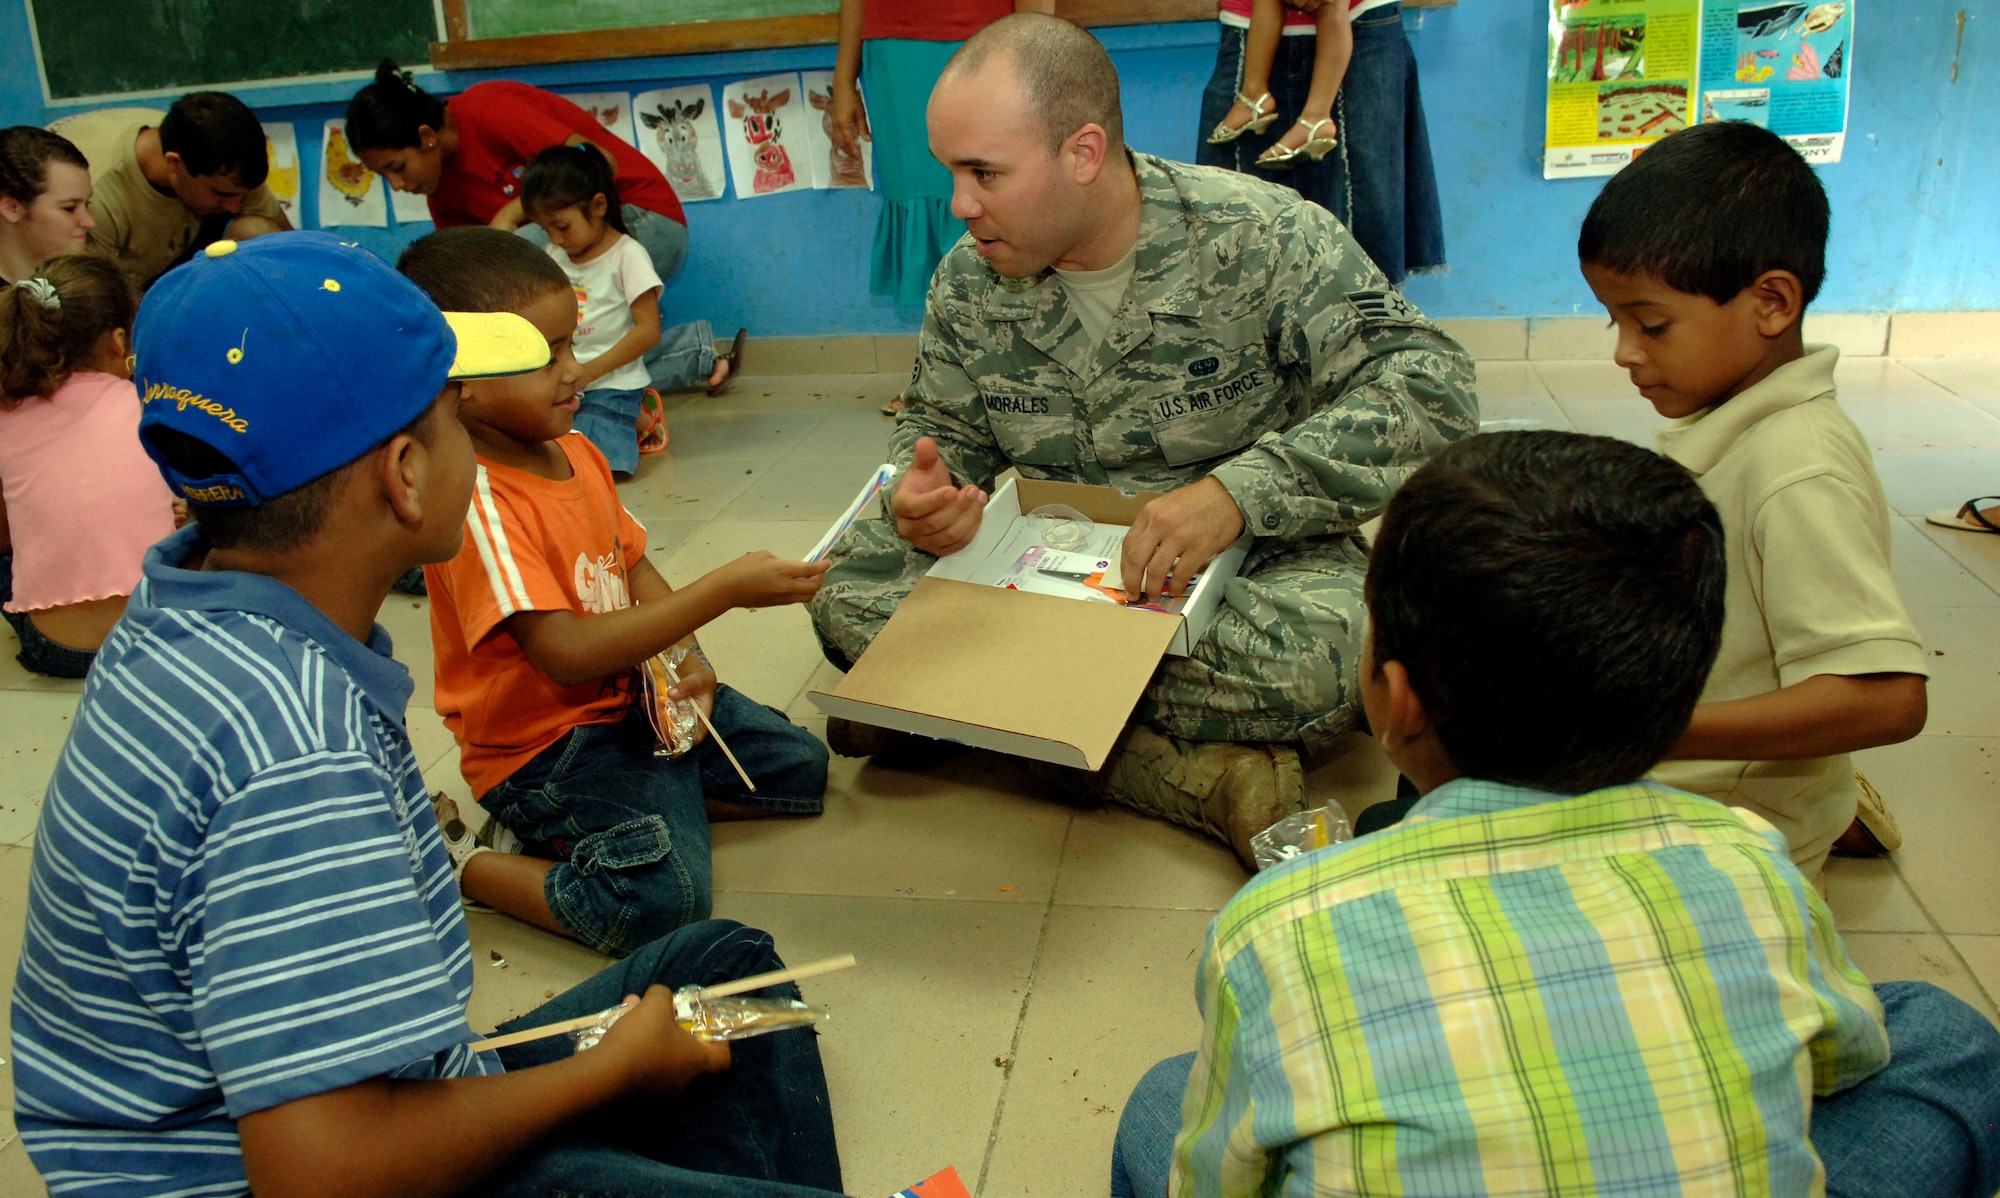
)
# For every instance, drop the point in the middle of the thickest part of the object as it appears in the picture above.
(465, 155)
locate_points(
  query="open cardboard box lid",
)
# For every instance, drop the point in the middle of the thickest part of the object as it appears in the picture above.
(1031, 675)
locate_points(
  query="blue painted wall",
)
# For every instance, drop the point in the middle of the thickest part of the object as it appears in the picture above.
(1916, 202)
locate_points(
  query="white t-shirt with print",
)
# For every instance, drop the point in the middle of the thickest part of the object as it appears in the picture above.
(605, 288)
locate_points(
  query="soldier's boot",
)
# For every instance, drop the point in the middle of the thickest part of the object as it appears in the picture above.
(1228, 791)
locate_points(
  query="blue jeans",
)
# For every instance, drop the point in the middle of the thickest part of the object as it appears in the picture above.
(39, 654)
(629, 831)
(685, 356)
(763, 1129)
(609, 416)
(1926, 1126)
(1379, 181)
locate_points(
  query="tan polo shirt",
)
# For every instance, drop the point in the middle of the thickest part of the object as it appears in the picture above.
(141, 228)
(1807, 529)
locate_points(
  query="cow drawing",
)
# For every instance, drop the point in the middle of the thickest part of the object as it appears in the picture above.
(846, 166)
(674, 131)
(761, 128)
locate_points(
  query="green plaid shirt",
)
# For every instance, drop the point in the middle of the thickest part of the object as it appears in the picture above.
(1630, 991)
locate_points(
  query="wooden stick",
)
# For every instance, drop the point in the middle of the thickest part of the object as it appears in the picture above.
(719, 742)
(778, 977)
(724, 990)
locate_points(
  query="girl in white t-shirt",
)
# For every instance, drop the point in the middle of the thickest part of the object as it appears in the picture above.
(569, 191)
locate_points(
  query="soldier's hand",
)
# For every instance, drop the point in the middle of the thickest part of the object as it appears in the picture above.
(933, 513)
(1176, 536)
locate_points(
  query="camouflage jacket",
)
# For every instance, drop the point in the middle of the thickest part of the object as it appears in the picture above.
(1257, 343)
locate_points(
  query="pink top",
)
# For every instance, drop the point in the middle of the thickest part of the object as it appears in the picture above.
(84, 502)
(1297, 23)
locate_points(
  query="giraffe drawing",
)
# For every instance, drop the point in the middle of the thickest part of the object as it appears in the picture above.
(846, 167)
(673, 127)
(761, 127)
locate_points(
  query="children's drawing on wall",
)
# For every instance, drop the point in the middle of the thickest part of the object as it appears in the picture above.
(830, 167)
(349, 193)
(762, 112)
(613, 110)
(1629, 110)
(281, 147)
(681, 136)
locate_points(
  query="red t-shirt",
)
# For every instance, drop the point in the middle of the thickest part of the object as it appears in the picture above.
(501, 125)
(930, 20)
(531, 544)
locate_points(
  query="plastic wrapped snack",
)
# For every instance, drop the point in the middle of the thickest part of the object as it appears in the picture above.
(1300, 833)
(737, 1017)
(674, 721)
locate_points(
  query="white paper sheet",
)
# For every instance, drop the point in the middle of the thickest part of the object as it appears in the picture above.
(613, 110)
(828, 169)
(349, 193)
(281, 146)
(680, 134)
(767, 119)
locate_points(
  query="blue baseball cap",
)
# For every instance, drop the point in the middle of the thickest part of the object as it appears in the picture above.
(296, 353)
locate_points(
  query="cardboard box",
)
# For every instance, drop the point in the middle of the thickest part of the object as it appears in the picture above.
(1028, 674)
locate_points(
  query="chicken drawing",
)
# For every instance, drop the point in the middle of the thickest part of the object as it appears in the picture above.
(282, 180)
(351, 179)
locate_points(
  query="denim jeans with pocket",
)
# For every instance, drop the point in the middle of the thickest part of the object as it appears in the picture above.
(609, 416)
(761, 1129)
(629, 831)
(1926, 1126)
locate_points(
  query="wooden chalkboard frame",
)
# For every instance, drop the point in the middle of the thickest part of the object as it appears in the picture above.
(460, 51)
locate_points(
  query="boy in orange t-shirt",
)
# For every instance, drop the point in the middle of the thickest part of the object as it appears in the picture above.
(540, 624)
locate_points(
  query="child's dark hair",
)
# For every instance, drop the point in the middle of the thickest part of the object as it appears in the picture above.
(570, 177)
(216, 134)
(50, 323)
(25, 154)
(1708, 210)
(1557, 602)
(387, 113)
(474, 268)
(278, 524)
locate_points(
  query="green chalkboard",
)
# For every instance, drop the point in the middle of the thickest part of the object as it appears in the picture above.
(105, 47)
(518, 18)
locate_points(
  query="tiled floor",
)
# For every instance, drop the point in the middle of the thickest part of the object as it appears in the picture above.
(1022, 962)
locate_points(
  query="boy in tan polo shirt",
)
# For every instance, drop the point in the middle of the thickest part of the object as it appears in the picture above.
(1706, 251)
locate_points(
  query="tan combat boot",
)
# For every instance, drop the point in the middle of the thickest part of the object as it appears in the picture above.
(1229, 791)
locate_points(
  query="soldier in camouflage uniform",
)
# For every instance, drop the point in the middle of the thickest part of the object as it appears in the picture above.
(1256, 346)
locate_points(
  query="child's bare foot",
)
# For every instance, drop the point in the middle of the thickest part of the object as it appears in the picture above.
(728, 365)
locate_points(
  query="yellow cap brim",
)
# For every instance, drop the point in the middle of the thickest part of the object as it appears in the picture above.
(491, 344)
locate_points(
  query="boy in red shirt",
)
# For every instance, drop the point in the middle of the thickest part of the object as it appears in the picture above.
(540, 625)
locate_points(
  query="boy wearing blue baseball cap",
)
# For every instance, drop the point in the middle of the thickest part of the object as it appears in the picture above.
(246, 965)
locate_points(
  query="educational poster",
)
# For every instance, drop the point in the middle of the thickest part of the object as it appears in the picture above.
(830, 168)
(1621, 75)
(1782, 64)
(409, 207)
(349, 193)
(281, 147)
(613, 110)
(766, 120)
(682, 138)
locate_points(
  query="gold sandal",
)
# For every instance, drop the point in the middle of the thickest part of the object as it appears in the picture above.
(1278, 157)
(1224, 132)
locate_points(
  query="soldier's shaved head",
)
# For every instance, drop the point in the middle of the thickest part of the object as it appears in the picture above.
(1064, 73)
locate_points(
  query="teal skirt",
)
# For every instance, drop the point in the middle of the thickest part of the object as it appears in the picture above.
(916, 226)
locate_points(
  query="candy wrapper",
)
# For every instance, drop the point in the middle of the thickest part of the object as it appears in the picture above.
(737, 1017)
(1301, 833)
(674, 721)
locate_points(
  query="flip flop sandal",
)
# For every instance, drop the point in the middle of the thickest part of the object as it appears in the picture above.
(652, 424)
(894, 406)
(735, 359)
(1969, 516)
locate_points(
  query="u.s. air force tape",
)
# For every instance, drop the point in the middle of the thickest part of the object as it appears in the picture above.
(1384, 307)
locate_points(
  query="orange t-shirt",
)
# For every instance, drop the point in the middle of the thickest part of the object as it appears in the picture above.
(531, 544)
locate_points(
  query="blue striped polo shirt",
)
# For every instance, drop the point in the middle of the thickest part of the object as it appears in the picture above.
(239, 895)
